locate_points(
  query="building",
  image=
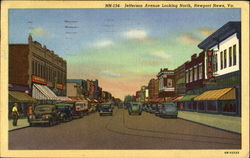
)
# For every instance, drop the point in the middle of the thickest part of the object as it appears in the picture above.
(151, 88)
(137, 96)
(223, 67)
(180, 80)
(76, 87)
(195, 74)
(37, 68)
(144, 94)
(90, 89)
(166, 83)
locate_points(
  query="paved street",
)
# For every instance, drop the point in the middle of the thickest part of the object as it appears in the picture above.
(122, 131)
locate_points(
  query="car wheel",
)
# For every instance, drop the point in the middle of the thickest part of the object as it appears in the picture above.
(140, 113)
(51, 123)
(31, 124)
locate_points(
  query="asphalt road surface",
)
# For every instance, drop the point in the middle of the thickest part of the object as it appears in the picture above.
(122, 131)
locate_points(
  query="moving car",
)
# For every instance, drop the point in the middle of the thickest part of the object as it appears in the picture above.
(105, 108)
(135, 108)
(169, 109)
(65, 112)
(80, 108)
(120, 105)
(44, 114)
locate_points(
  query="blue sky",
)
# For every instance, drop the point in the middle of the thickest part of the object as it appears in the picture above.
(123, 48)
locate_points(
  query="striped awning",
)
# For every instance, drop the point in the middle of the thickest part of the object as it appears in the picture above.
(42, 92)
(218, 94)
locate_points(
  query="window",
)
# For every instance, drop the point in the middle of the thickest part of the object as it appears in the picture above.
(225, 58)
(229, 106)
(234, 55)
(201, 106)
(33, 67)
(195, 73)
(230, 56)
(187, 76)
(221, 60)
(215, 63)
(38, 69)
(211, 106)
(191, 75)
(200, 71)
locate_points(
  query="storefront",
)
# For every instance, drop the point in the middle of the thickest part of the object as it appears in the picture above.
(187, 103)
(22, 99)
(218, 101)
(43, 94)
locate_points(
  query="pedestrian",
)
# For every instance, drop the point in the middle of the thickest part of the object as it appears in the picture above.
(15, 114)
(29, 111)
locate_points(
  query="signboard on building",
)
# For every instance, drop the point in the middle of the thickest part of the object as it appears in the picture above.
(59, 86)
(40, 80)
(210, 66)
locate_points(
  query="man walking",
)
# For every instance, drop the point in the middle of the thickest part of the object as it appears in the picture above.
(15, 114)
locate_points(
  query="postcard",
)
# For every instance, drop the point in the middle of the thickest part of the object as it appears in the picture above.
(125, 79)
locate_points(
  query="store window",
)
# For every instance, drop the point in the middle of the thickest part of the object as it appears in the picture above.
(229, 106)
(225, 58)
(211, 106)
(221, 60)
(234, 55)
(230, 56)
(201, 106)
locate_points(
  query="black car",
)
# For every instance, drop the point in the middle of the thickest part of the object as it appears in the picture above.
(64, 112)
(105, 108)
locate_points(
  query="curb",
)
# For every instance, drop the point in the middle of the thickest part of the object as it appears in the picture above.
(210, 126)
(19, 128)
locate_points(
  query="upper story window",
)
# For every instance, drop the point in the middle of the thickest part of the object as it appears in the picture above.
(221, 60)
(187, 76)
(190, 75)
(200, 71)
(225, 58)
(195, 73)
(234, 55)
(215, 63)
(230, 56)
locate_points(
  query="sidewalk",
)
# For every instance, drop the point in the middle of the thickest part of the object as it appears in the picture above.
(21, 123)
(229, 123)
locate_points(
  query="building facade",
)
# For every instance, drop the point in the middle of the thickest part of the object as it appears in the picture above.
(180, 80)
(166, 83)
(33, 63)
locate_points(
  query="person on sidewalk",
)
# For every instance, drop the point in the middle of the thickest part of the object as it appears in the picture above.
(15, 114)
(29, 112)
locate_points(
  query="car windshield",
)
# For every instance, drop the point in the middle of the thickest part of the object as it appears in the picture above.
(105, 105)
(41, 109)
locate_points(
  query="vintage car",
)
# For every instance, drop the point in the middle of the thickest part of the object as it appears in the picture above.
(80, 108)
(135, 108)
(120, 105)
(158, 109)
(169, 109)
(44, 114)
(105, 109)
(65, 112)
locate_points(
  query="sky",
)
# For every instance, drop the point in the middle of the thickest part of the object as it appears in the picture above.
(122, 48)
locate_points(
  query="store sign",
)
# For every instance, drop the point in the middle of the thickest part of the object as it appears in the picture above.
(59, 86)
(40, 80)
(210, 66)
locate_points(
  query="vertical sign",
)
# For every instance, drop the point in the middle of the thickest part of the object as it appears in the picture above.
(210, 66)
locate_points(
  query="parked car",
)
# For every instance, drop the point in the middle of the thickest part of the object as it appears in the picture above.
(44, 114)
(120, 105)
(158, 109)
(152, 108)
(105, 108)
(135, 108)
(169, 109)
(65, 112)
(80, 108)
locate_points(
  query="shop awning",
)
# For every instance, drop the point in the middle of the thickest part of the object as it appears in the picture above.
(64, 98)
(187, 97)
(42, 92)
(178, 98)
(219, 94)
(15, 96)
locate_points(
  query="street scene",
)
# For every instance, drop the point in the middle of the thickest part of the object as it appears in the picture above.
(124, 79)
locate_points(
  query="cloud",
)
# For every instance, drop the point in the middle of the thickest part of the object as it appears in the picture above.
(136, 34)
(189, 38)
(39, 31)
(102, 44)
(205, 31)
(160, 54)
(110, 74)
